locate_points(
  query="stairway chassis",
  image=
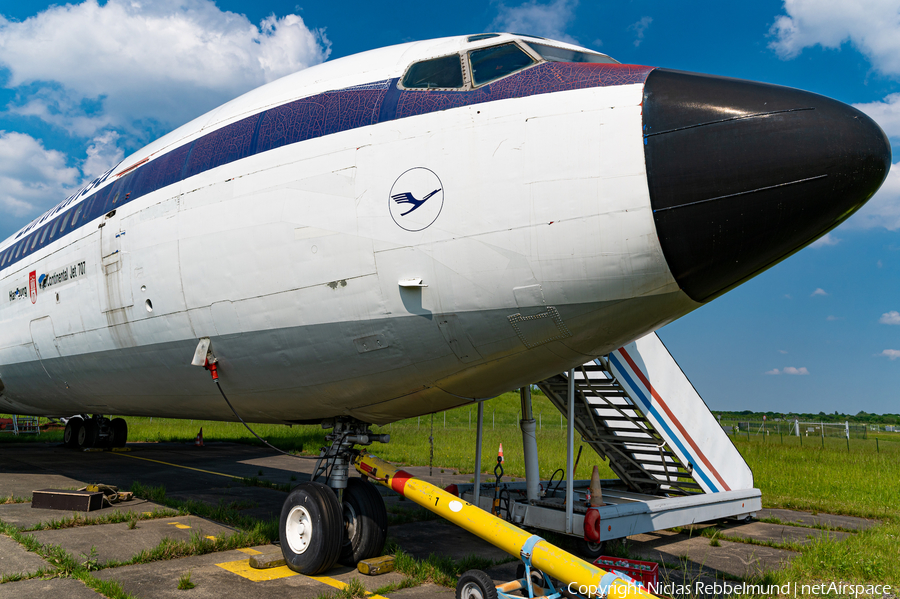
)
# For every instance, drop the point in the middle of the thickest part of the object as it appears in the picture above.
(626, 513)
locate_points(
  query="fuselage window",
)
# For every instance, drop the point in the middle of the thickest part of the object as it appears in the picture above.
(553, 54)
(34, 242)
(44, 234)
(489, 64)
(77, 213)
(444, 72)
(55, 225)
(5, 256)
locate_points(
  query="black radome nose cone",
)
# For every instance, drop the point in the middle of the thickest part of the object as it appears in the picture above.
(744, 174)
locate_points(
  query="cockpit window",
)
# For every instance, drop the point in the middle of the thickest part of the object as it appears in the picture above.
(482, 36)
(553, 54)
(495, 62)
(444, 72)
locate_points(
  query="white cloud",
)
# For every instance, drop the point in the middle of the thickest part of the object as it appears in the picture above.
(102, 155)
(32, 178)
(639, 29)
(90, 67)
(892, 317)
(825, 240)
(893, 354)
(818, 291)
(886, 113)
(546, 20)
(782, 351)
(883, 210)
(871, 26)
(788, 370)
(832, 318)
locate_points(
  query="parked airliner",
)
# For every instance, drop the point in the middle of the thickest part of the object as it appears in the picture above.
(413, 228)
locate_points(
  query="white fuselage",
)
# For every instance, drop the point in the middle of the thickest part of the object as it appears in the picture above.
(541, 254)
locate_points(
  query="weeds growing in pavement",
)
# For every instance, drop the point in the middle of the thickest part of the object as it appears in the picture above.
(116, 517)
(184, 582)
(265, 531)
(64, 565)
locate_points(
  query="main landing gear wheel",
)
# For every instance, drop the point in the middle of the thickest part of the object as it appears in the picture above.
(475, 584)
(365, 522)
(70, 436)
(88, 434)
(311, 529)
(118, 432)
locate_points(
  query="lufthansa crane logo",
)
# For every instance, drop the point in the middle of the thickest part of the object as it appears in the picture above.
(416, 199)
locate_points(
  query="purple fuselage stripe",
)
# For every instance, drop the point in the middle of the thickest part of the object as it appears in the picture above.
(309, 118)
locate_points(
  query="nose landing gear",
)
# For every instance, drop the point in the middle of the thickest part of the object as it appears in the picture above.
(344, 521)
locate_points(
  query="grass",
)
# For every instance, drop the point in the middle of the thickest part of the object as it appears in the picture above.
(439, 569)
(807, 473)
(184, 582)
(9, 499)
(63, 565)
(116, 517)
(264, 531)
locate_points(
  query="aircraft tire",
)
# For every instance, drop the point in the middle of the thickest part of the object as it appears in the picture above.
(70, 435)
(365, 522)
(88, 434)
(118, 432)
(311, 528)
(475, 584)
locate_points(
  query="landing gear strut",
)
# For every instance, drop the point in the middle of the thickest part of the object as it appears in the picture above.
(344, 521)
(84, 431)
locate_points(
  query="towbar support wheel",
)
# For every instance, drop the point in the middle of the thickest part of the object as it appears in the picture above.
(311, 528)
(475, 584)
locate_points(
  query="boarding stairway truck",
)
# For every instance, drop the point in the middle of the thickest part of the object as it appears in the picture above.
(635, 407)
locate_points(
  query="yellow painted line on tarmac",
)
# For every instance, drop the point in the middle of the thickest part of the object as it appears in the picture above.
(210, 538)
(250, 551)
(339, 585)
(182, 526)
(242, 568)
(178, 466)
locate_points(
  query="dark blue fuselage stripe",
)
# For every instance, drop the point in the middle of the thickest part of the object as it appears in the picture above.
(310, 118)
(676, 440)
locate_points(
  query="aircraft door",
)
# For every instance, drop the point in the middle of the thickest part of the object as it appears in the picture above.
(115, 280)
(44, 338)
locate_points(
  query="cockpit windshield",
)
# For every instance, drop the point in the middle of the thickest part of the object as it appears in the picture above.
(554, 54)
(444, 72)
(495, 62)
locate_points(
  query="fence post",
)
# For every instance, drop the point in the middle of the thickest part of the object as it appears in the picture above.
(848, 444)
(823, 441)
(876, 446)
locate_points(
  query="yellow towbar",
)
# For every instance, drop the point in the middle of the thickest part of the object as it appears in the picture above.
(582, 577)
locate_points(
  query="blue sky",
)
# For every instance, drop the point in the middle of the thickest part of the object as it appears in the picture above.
(82, 85)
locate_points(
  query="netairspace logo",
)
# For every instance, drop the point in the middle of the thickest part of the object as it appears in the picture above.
(726, 588)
